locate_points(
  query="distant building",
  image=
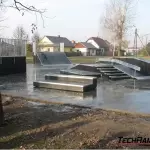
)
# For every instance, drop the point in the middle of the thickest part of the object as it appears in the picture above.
(103, 46)
(87, 49)
(132, 50)
(55, 43)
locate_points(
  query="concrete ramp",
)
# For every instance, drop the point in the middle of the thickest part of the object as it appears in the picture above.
(52, 58)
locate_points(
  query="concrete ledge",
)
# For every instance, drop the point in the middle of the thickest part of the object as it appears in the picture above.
(71, 78)
(80, 73)
(65, 86)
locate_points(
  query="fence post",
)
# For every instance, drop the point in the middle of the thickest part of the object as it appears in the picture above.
(1, 112)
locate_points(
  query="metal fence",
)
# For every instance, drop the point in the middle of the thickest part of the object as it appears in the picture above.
(12, 47)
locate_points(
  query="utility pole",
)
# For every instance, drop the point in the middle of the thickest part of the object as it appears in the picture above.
(135, 42)
(114, 49)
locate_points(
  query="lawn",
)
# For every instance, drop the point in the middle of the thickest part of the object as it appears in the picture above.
(82, 59)
(78, 59)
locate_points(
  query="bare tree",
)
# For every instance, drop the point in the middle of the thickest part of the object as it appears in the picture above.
(20, 33)
(36, 39)
(118, 19)
(18, 5)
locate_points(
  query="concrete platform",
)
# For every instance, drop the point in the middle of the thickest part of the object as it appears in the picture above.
(77, 87)
(71, 78)
(88, 68)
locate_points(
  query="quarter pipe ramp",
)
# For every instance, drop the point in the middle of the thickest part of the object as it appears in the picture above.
(52, 58)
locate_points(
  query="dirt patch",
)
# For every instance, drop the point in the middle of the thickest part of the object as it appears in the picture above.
(34, 125)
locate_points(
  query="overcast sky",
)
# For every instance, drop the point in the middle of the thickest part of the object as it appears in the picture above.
(75, 19)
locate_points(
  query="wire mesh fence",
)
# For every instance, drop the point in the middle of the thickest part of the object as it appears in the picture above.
(12, 47)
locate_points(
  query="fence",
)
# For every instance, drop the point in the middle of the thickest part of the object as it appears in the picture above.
(12, 47)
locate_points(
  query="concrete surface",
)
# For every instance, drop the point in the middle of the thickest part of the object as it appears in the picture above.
(130, 95)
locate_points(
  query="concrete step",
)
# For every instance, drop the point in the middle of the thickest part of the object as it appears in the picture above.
(119, 77)
(104, 66)
(71, 78)
(115, 74)
(65, 86)
(108, 69)
(115, 71)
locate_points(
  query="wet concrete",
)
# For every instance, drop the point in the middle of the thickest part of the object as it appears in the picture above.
(122, 95)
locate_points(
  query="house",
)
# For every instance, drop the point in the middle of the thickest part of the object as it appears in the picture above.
(102, 46)
(55, 43)
(132, 50)
(87, 49)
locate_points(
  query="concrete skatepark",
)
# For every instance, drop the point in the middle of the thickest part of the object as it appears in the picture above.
(126, 94)
(71, 78)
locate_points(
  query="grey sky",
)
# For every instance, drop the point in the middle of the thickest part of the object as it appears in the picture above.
(76, 19)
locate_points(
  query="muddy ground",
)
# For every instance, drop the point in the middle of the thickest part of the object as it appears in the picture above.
(33, 125)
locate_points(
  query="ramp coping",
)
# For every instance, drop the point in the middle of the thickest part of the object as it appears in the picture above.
(71, 76)
(65, 84)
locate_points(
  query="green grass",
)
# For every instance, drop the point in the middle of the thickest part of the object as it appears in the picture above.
(29, 60)
(78, 59)
(81, 59)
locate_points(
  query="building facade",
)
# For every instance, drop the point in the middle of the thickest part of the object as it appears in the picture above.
(55, 43)
(87, 49)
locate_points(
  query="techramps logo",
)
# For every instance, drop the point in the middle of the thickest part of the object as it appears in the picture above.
(140, 141)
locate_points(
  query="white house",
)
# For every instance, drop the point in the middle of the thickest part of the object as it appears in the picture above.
(55, 43)
(102, 46)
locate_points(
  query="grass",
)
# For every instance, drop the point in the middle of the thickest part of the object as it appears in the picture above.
(29, 60)
(78, 59)
(82, 59)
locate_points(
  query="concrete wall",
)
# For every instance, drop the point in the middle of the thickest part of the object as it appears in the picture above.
(12, 65)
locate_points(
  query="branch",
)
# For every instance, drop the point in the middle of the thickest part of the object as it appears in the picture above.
(19, 6)
(30, 8)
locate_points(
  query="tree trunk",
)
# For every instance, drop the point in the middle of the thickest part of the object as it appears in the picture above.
(119, 49)
(1, 111)
(120, 43)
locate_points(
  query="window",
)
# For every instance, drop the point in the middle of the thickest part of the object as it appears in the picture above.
(48, 49)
